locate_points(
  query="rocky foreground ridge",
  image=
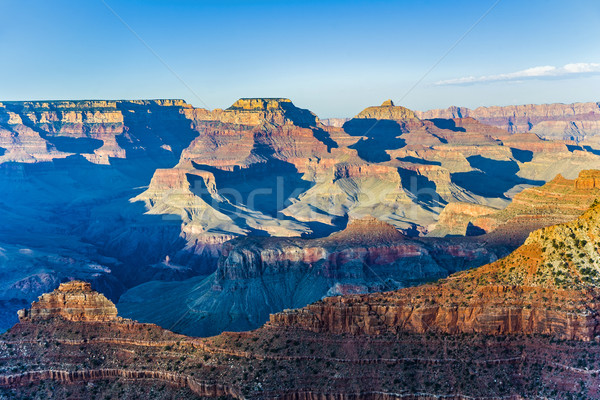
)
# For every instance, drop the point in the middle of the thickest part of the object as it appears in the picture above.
(519, 328)
(73, 301)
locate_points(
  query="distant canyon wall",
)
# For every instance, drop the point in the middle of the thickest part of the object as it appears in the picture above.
(577, 121)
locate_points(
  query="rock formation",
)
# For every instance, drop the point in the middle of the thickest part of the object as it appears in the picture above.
(353, 347)
(547, 286)
(577, 121)
(259, 276)
(558, 201)
(126, 192)
(73, 301)
(388, 110)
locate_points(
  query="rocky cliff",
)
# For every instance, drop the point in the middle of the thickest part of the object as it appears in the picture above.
(547, 286)
(61, 358)
(558, 201)
(126, 192)
(577, 121)
(388, 110)
(265, 167)
(97, 130)
(259, 276)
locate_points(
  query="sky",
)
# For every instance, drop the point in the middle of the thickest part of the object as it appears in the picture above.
(332, 57)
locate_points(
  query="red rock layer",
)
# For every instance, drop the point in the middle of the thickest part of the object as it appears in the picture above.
(558, 201)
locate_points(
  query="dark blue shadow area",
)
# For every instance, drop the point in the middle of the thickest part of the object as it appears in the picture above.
(592, 150)
(320, 229)
(448, 124)
(493, 179)
(473, 230)
(2, 151)
(324, 137)
(381, 135)
(75, 145)
(572, 148)
(301, 116)
(152, 128)
(264, 187)
(422, 188)
(83, 207)
(420, 161)
(91, 201)
(522, 156)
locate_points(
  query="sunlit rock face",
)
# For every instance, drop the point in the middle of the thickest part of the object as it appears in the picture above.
(558, 201)
(577, 121)
(549, 285)
(72, 301)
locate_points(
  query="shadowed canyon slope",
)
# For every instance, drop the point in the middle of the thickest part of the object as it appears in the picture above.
(121, 193)
(259, 276)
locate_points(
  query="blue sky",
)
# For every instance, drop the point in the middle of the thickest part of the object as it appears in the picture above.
(333, 57)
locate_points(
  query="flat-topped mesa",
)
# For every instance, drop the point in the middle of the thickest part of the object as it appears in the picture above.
(259, 104)
(387, 110)
(279, 111)
(72, 301)
(367, 230)
(85, 105)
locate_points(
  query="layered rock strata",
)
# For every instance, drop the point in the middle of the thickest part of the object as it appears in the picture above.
(73, 301)
(577, 121)
(547, 286)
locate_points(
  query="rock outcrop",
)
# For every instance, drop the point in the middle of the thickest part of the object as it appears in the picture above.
(388, 110)
(457, 219)
(73, 301)
(257, 111)
(60, 358)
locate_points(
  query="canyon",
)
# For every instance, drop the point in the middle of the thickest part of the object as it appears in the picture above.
(520, 327)
(140, 197)
(259, 276)
(548, 286)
